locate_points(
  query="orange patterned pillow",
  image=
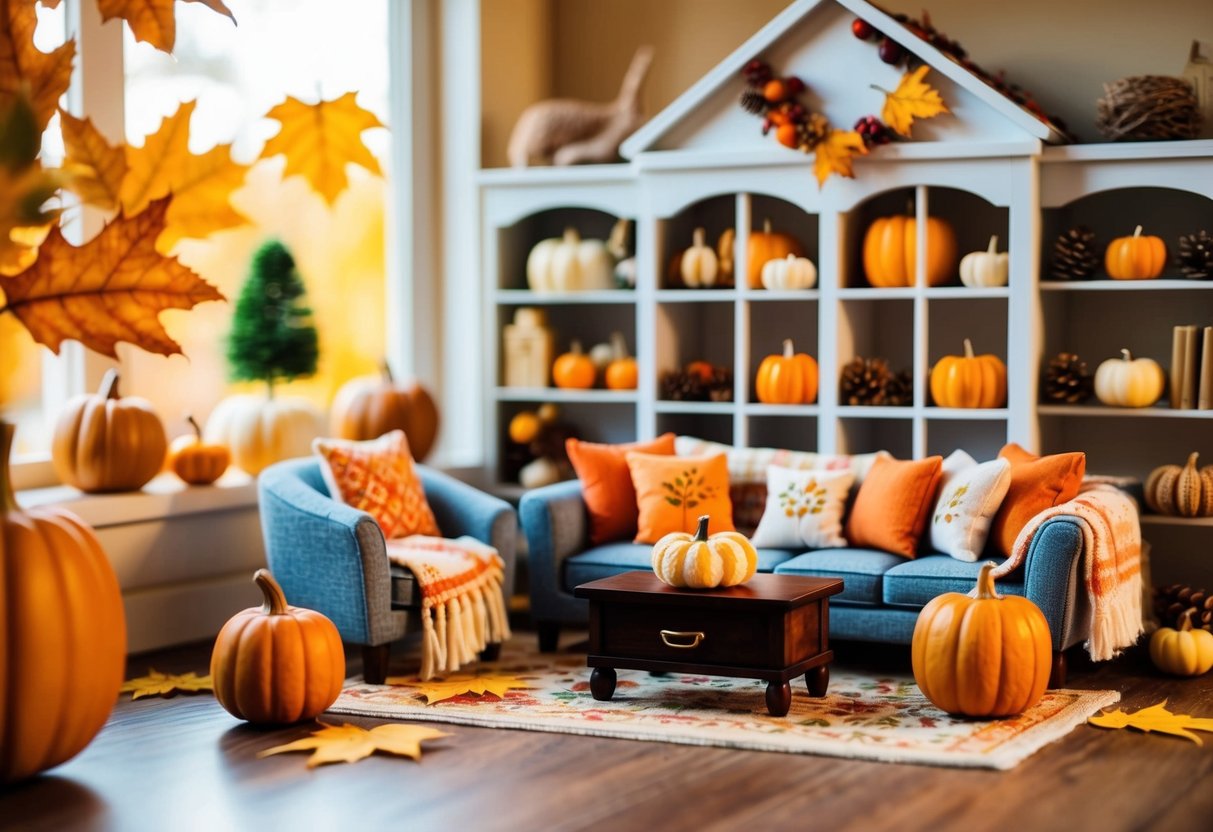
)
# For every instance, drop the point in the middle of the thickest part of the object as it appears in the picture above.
(673, 491)
(893, 504)
(1037, 483)
(378, 477)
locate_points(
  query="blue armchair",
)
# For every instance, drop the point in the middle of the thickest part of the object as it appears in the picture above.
(882, 592)
(331, 558)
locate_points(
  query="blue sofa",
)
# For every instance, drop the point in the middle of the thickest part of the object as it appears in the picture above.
(331, 558)
(882, 592)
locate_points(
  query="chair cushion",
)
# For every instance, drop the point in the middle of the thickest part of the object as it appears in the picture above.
(914, 583)
(613, 558)
(861, 571)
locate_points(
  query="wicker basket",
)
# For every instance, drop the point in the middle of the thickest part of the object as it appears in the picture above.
(1148, 108)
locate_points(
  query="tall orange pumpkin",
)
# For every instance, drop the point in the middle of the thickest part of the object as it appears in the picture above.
(1135, 258)
(368, 407)
(767, 245)
(890, 251)
(790, 378)
(969, 380)
(276, 664)
(982, 656)
(106, 443)
(62, 634)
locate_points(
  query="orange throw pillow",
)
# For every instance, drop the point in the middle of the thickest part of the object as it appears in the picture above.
(672, 492)
(1037, 483)
(894, 504)
(606, 484)
(378, 477)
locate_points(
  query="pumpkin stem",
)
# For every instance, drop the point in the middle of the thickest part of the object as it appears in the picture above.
(275, 599)
(1192, 460)
(985, 583)
(993, 249)
(789, 350)
(571, 236)
(968, 348)
(701, 531)
(697, 238)
(766, 226)
(1126, 355)
(1185, 619)
(194, 424)
(1137, 231)
(385, 370)
(109, 384)
(8, 500)
(575, 348)
(619, 347)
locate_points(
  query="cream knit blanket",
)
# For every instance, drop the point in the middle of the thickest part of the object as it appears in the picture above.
(462, 603)
(1111, 568)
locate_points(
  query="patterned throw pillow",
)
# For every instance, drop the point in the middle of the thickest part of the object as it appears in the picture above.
(969, 497)
(673, 491)
(804, 509)
(378, 477)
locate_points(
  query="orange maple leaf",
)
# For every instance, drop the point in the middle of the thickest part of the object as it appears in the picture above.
(350, 743)
(153, 21)
(25, 188)
(835, 153)
(110, 289)
(913, 98)
(95, 168)
(319, 140)
(457, 684)
(43, 75)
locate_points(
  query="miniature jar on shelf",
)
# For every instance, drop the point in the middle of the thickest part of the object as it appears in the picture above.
(530, 348)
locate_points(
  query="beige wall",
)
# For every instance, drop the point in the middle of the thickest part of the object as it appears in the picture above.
(1061, 50)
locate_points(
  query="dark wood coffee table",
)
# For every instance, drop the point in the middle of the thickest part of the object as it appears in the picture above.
(774, 627)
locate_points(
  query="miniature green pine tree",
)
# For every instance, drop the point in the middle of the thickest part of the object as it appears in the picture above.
(273, 337)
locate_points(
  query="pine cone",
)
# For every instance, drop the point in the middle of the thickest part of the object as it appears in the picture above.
(1067, 380)
(753, 102)
(814, 130)
(898, 391)
(1195, 255)
(1075, 255)
(1171, 602)
(863, 381)
(720, 386)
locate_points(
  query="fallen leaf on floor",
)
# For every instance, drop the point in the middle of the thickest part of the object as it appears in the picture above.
(437, 690)
(166, 684)
(1155, 718)
(349, 743)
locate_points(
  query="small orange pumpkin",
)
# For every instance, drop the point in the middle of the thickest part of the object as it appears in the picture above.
(983, 656)
(622, 373)
(195, 461)
(276, 664)
(574, 370)
(767, 245)
(1135, 258)
(969, 380)
(890, 252)
(368, 407)
(790, 378)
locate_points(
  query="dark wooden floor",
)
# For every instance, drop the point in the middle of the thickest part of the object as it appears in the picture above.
(184, 764)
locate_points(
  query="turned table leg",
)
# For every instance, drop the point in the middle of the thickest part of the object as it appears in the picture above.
(817, 680)
(602, 683)
(779, 698)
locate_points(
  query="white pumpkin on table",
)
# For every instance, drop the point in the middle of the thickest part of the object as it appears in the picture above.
(981, 269)
(791, 272)
(570, 264)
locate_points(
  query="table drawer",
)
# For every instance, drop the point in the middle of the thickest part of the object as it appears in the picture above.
(707, 636)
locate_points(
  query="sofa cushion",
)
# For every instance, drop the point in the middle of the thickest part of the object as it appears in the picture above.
(914, 583)
(613, 558)
(861, 571)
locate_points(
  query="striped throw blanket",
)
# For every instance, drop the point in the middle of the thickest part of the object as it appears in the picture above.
(462, 603)
(1111, 569)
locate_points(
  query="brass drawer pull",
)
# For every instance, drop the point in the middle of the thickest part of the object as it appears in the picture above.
(696, 639)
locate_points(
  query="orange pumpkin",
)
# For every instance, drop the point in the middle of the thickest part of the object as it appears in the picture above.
(767, 245)
(969, 380)
(790, 378)
(195, 461)
(982, 656)
(368, 407)
(106, 443)
(574, 369)
(890, 251)
(622, 373)
(277, 664)
(1136, 257)
(64, 639)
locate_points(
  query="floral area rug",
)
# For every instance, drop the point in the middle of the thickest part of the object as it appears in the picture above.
(866, 717)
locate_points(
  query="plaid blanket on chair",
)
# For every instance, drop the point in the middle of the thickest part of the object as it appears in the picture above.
(462, 603)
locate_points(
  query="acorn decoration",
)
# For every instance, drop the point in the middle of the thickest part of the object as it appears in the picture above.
(1076, 255)
(869, 382)
(1067, 380)
(1171, 602)
(1194, 255)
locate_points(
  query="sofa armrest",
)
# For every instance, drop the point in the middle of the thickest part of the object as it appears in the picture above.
(555, 524)
(462, 509)
(1053, 582)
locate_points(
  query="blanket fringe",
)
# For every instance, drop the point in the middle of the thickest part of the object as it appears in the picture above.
(458, 628)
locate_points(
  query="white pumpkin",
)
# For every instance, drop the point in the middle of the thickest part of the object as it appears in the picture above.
(263, 431)
(791, 272)
(1129, 381)
(539, 472)
(984, 268)
(699, 263)
(570, 264)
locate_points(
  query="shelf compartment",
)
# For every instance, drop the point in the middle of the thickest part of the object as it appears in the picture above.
(689, 332)
(514, 243)
(982, 321)
(588, 324)
(982, 439)
(676, 234)
(714, 427)
(525, 297)
(785, 218)
(779, 431)
(875, 328)
(770, 326)
(560, 394)
(594, 420)
(862, 436)
(1117, 448)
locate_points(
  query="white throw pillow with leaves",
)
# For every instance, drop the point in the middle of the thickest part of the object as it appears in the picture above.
(804, 509)
(969, 497)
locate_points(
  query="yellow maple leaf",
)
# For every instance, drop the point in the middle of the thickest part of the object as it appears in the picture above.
(111, 289)
(150, 167)
(835, 153)
(1155, 718)
(25, 187)
(95, 168)
(349, 743)
(437, 690)
(44, 76)
(913, 98)
(320, 140)
(165, 684)
(153, 21)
